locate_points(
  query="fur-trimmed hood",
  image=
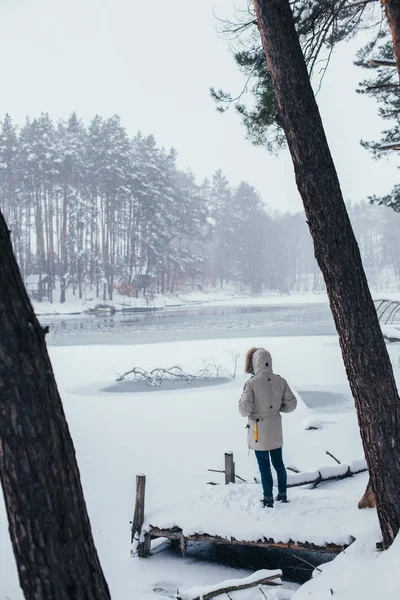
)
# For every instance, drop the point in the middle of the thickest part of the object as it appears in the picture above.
(248, 365)
(257, 359)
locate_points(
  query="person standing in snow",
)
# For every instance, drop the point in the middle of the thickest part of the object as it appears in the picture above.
(265, 395)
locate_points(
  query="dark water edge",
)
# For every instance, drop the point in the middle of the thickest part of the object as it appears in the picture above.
(196, 323)
(297, 566)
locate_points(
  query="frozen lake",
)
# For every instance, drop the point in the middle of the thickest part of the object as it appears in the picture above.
(191, 323)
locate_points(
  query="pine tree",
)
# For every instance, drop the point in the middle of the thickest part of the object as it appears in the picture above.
(104, 203)
(225, 228)
(369, 371)
(320, 26)
(37, 153)
(73, 200)
(13, 205)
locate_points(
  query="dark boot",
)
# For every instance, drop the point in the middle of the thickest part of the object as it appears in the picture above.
(281, 498)
(268, 502)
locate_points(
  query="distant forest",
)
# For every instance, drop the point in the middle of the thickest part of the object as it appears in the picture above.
(90, 208)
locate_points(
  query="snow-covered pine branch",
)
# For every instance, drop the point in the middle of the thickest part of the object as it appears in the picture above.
(376, 62)
(390, 146)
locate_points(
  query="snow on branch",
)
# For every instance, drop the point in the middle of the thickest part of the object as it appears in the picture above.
(262, 577)
(331, 473)
(328, 473)
(390, 146)
(155, 377)
(383, 63)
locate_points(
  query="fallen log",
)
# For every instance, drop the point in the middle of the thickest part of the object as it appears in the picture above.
(315, 481)
(316, 476)
(330, 473)
(206, 592)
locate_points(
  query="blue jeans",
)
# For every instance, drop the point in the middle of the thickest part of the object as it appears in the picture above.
(265, 470)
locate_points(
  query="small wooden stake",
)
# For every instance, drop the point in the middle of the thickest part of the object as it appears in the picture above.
(138, 517)
(229, 468)
(144, 547)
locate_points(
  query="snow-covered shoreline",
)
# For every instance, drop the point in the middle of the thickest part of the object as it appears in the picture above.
(75, 306)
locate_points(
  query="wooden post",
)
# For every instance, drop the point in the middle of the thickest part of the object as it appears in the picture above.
(138, 517)
(183, 545)
(144, 547)
(229, 468)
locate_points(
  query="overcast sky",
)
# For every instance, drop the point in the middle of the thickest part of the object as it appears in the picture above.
(153, 63)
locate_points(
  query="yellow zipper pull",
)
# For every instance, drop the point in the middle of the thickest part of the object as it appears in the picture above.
(256, 432)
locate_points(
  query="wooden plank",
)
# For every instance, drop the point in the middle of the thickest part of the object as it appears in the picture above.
(143, 549)
(177, 534)
(229, 468)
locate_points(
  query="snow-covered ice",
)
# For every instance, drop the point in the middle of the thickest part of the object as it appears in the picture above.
(175, 436)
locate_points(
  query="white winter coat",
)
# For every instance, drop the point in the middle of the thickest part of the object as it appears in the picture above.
(264, 397)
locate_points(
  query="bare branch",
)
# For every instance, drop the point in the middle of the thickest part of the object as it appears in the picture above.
(334, 457)
(306, 562)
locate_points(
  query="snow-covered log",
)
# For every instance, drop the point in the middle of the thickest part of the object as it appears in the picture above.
(262, 577)
(331, 473)
(315, 477)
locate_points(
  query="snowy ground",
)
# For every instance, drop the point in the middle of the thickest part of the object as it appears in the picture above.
(174, 436)
(320, 517)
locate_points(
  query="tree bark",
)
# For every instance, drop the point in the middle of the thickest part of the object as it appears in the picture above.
(48, 521)
(365, 356)
(392, 10)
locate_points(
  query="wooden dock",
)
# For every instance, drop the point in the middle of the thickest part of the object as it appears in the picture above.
(180, 535)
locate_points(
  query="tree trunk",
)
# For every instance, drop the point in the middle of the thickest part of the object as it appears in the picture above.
(365, 356)
(63, 246)
(392, 10)
(48, 521)
(51, 247)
